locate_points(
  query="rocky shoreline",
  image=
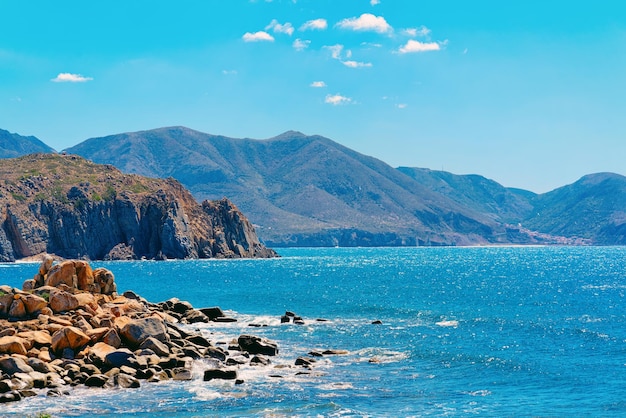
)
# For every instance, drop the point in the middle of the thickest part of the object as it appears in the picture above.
(68, 326)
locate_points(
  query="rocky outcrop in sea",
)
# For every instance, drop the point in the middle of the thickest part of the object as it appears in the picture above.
(68, 206)
(68, 326)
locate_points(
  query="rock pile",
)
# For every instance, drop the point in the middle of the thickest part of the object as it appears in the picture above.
(68, 326)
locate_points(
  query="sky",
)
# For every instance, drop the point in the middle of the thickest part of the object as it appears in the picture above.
(531, 94)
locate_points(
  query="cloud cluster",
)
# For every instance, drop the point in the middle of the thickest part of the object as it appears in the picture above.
(300, 45)
(409, 40)
(337, 99)
(366, 22)
(70, 78)
(417, 46)
(316, 24)
(287, 28)
(260, 36)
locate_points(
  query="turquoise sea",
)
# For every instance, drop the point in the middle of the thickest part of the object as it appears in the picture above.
(488, 331)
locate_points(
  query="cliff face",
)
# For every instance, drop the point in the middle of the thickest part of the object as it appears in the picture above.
(70, 207)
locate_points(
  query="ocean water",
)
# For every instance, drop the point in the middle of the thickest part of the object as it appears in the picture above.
(488, 331)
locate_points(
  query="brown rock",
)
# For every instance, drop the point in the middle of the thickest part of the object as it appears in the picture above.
(45, 265)
(136, 331)
(100, 351)
(61, 301)
(96, 334)
(29, 284)
(13, 345)
(86, 300)
(112, 338)
(156, 346)
(84, 275)
(62, 273)
(68, 337)
(39, 338)
(17, 309)
(6, 298)
(104, 281)
(34, 303)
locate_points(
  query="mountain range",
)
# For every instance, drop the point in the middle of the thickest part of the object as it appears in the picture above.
(302, 190)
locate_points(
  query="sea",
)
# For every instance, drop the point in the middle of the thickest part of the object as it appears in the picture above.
(475, 331)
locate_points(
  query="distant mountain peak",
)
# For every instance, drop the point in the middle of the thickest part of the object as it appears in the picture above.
(290, 135)
(14, 145)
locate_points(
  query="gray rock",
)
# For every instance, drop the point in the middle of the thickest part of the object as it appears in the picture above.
(12, 365)
(226, 374)
(96, 380)
(257, 345)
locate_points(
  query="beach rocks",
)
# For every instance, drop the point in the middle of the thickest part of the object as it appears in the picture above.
(56, 337)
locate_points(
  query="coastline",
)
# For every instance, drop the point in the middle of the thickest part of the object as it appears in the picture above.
(68, 327)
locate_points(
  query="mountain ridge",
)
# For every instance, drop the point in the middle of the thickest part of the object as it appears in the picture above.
(308, 190)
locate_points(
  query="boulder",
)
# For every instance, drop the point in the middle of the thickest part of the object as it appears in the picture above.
(127, 382)
(12, 365)
(18, 308)
(112, 338)
(104, 281)
(305, 362)
(120, 357)
(193, 315)
(45, 265)
(213, 312)
(61, 301)
(11, 396)
(257, 345)
(259, 361)
(38, 338)
(6, 299)
(29, 284)
(34, 303)
(227, 374)
(137, 330)
(99, 351)
(13, 345)
(84, 275)
(159, 348)
(86, 299)
(68, 337)
(62, 273)
(96, 380)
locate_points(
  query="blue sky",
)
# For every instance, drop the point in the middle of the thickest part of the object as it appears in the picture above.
(528, 93)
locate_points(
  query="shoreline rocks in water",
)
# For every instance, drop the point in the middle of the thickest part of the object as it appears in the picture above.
(68, 326)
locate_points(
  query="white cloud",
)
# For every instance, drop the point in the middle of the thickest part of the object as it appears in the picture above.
(356, 64)
(300, 45)
(366, 22)
(417, 46)
(422, 31)
(337, 99)
(335, 50)
(70, 78)
(258, 36)
(401, 105)
(229, 72)
(374, 2)
(318, 84)
(315, 24)
(278, 28)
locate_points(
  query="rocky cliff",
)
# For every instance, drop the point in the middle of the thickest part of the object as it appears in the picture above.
(71, 207)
